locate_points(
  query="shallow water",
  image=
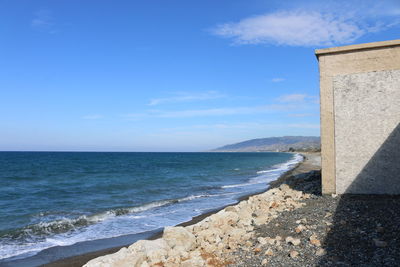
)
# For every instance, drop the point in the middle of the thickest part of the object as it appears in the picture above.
(59, 198)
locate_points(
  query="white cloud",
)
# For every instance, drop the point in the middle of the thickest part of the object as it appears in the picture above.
(295, 28)
(43, 21)
(186, 97)
(211, 112)
(298, 98)
(319, 24)
(304, 125)
(292, 98)
(245, 126)
(301, 115)
(277, 80)
(92, 117)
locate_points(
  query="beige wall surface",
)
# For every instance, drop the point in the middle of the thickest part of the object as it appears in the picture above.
(367, 118)
(334, 62)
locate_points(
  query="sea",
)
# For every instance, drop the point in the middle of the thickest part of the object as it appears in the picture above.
(50, 199)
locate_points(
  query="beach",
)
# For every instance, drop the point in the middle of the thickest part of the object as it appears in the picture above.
(309, 165)
(135, 205)
(291, 224)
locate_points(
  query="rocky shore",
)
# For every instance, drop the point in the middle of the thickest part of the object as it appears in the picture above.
(291, 224)
(217, 240)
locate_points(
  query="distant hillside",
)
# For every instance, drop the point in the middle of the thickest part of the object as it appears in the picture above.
(285, 143)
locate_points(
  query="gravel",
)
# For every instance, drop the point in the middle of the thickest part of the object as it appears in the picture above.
(347, 230)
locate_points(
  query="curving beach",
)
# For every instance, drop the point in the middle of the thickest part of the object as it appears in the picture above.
(213, 237)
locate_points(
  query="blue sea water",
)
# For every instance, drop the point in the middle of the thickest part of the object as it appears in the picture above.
(52, 199)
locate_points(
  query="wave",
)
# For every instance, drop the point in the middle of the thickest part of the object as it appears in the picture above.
(59, 228)
(237, 185)
(270, 174)
(65, 225)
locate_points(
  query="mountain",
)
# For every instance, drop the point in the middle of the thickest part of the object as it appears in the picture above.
(285, 143)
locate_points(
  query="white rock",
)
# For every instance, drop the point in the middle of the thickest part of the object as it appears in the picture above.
(179, 236)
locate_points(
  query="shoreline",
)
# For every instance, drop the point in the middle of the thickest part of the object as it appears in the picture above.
(43, 258)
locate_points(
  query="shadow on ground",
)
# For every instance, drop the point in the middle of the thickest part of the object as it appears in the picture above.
(366, 228)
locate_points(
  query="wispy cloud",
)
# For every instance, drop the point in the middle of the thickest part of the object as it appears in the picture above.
(93, 117)
(242, 126)
(277, 80)
(292, 98)
(302, 115)
(304, 125)
(43, 21)
(186, 97)
(211, 112)
(308, 27)
(297, 98)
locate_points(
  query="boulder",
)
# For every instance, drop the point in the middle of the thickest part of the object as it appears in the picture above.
(179, 236)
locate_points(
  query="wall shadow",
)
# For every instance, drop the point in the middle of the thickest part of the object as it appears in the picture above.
(366, 227)
(381, 175)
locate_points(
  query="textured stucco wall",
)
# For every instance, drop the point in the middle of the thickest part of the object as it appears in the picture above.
(342, 61)
(367, 134)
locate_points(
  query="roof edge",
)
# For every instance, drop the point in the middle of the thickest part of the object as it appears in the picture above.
(349, 48)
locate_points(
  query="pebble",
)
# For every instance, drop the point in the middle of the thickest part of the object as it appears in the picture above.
(380, 243)
(299, 228)
(314, 241)
(293, 241)
(293, 254)
(269, 252)
(264, 262)
(320, 252)
(257, 250)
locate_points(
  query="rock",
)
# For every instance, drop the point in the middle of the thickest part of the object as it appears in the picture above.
(178, 252)
(269, 252)
(264, 262)
(293, 254)
(230, 208)
(299, 228)
(263, 241)
(179, 236)
(274, 205)
(257, 250)
(296, 241)
(304, 220)
(122, 258)
(193, 262)
(284, 187)
(320, 252)
(380, 229)
(270, 240)
(314, 241)
(379, 243)
(293, 241)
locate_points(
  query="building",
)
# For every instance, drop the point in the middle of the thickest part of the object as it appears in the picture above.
(360, 118)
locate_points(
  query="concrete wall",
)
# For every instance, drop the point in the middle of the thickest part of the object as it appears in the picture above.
(360, 117)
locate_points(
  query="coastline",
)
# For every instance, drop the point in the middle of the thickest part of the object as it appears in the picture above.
(114, 244)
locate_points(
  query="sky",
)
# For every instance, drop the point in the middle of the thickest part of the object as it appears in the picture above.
(175, 75)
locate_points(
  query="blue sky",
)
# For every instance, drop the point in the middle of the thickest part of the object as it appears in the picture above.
(173, 75)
